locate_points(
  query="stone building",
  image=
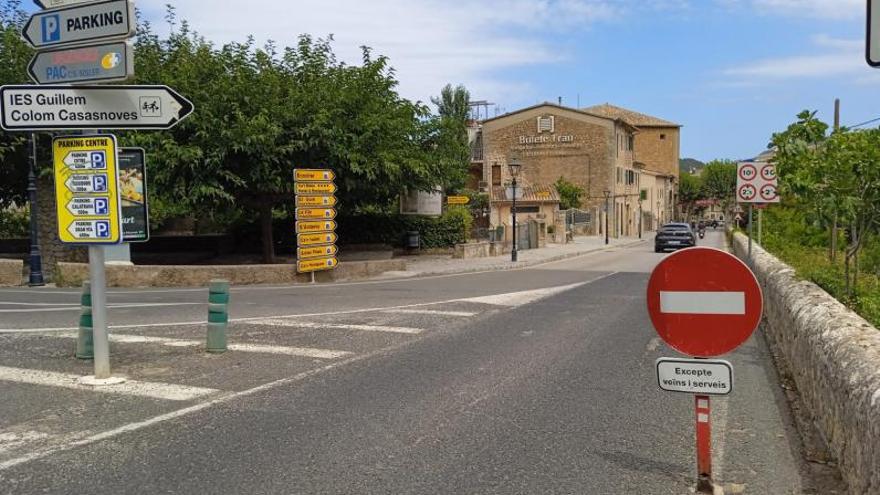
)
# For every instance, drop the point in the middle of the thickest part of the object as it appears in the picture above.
(596, 151)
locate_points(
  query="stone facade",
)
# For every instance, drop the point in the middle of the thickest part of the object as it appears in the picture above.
(833, 356)
(11, 272)
(553, 141)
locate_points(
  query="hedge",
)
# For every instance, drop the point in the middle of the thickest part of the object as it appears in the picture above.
(448, 230)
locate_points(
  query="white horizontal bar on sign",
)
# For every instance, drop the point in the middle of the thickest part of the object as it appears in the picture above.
(166, 391)
(703, 303)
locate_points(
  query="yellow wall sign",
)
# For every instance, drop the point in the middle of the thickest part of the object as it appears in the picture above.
(315, 239)
(457, 200)
(319, 201)
(313, 227)
(316, 265)
(312, 174)
(86, 189)
(316, 251)
(314, 187)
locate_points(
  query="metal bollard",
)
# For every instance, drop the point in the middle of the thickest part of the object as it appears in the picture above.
(218, 315)
(84, 339)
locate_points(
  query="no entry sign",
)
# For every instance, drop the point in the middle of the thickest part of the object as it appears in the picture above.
(704, 302)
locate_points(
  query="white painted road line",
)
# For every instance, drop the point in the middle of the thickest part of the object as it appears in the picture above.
(76, 307)
(255, 348)
(334, 326)
(431, 312)
(703, 303)
(513, 299)
(166, 391)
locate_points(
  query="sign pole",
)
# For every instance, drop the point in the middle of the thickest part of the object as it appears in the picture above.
(98, 280)
(704, 444)
(35, 277)
(760, 227)
(751, 228)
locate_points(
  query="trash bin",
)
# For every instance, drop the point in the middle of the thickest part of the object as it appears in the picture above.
(413, 240)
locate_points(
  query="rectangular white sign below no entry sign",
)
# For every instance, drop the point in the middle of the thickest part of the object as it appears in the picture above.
(695, 376)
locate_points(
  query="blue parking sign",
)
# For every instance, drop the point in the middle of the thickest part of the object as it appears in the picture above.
(51, 28)
(101, 207)
(102, 229)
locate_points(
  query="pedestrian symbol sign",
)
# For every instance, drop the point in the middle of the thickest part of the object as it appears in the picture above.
(86, 193)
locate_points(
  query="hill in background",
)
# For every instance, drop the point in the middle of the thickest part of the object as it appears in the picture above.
(690, 165)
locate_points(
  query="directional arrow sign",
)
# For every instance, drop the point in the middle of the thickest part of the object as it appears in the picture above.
(315, 188)
(314, 239)
(86, 160)
(51, 4)
(312, 174)
(314, 227)
(89, 207)
(95, 183)
(96, 21)
(59, 107)
(99, 63)
(90, 230)
(316, 265)
(316, 251)
(315, 213)
(319, 201)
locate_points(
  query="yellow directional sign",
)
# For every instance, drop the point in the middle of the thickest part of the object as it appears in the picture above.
(315, 213)
(86, 189)
(457, 200)
(319, 201)
(311, 227)
(316, 264)
(316, 239)
(316, 251)
(314, 187)
(312, 174)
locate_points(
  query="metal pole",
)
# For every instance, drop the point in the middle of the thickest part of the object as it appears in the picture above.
(640, 218)
(704, 444)
(751, 229)
(98, 279)
(607, 213)
(35, 279)
(513, 211)
(760, 227)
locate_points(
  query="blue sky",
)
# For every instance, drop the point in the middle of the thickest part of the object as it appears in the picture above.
(730, 71)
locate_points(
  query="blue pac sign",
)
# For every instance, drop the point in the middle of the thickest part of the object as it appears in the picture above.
(99, 183)
(51, 28)
(102, 229)
(101, 206)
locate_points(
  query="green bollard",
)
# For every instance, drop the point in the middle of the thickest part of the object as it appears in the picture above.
(218, 316)
(84, 339)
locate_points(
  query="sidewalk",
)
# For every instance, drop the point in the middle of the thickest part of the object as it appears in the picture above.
(423, 266)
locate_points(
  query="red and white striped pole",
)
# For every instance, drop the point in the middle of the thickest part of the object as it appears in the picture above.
(704, 444)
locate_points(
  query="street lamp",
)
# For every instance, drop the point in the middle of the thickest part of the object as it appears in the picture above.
(514, 167)
(35, 277)
(607, 194)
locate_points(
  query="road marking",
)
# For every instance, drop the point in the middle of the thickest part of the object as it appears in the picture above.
(255, 348)
(76, 307)
(166, 391)
(432, 312)
(336, 326)
(10, 440)
(513, 299)
(703, 303)
(36, 304)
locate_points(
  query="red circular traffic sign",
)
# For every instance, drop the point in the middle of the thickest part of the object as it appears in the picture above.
(747, 172)
(704, 302)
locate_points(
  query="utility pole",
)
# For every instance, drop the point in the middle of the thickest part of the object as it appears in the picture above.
(834, 221)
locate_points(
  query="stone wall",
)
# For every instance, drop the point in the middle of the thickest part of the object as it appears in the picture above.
(833, 356)
(472, 250)
(73, 274)
(11, 272)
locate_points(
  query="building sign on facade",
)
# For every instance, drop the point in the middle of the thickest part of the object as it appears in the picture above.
(546, 142)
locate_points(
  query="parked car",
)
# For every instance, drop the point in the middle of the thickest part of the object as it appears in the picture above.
(674, 236)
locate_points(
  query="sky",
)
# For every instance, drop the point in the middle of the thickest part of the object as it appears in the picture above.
(731, 72)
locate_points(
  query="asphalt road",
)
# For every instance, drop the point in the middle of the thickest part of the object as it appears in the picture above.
(531, 381)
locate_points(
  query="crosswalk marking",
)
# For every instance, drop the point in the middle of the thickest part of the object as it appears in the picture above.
(166, 391)
(255, 348)
(336, 326)
(521, 298)
(434, 312)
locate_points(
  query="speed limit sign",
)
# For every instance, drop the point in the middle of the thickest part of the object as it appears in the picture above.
(757, 183)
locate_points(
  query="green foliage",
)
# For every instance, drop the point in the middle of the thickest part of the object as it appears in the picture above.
(570, 194)
(452, 228)
(14, 57)
(14, 223)
(449, 146)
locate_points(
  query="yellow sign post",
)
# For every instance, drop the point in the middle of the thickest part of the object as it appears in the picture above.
(457, 200)
(315, 201)
(314, 188)
(86, 189)
(316, 251)
(313, 175)
(316, 264)
(311, 227)
(315, 213)
(316, 239)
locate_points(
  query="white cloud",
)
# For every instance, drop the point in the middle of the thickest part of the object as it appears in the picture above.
(820, 9)
(840, 58)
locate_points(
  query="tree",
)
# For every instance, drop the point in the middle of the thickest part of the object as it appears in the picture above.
(14, 57)
(451, 147)
(690, 190)
(570, 194)
(719, 183)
